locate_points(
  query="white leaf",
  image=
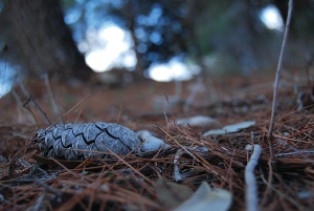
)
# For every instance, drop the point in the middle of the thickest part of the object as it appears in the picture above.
(230, 128)
(205, 198)
(196, 121)
(150, 143)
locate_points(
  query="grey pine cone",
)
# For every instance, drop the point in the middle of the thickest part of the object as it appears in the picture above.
(81, 141)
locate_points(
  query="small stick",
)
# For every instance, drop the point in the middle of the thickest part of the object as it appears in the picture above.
(25, 105)
(297, 153)
(277, 79)
(275, 98)
(31, 99)
(176, 170)
(250, 180)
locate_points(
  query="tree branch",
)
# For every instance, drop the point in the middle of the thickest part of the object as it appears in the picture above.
(277, 79)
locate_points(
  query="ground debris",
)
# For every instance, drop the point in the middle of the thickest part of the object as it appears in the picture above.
(128, 182)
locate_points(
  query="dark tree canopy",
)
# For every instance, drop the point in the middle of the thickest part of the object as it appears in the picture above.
(197, 29)
(229, 31)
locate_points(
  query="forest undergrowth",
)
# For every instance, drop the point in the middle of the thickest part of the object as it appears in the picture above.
(128, 182)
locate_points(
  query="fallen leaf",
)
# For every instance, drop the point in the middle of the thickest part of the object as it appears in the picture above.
(196, 121)
(230, 128)
(150, 143)
(171, 194)
(206, 198)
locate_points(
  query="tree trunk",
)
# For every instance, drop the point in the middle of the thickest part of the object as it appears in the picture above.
(44, 41)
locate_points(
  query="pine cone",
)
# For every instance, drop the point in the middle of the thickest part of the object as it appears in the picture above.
(81, 141)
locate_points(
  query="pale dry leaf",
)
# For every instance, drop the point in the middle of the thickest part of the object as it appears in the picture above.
(171, 194)
(206, 198)
(230, 128)
(150, 143)
(196, 121)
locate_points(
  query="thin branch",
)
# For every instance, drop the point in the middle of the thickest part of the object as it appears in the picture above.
(250, 180)
(302, 153)
(277, 79)
(31, 99)
(176, 170)
(275, 96)
(26, 106)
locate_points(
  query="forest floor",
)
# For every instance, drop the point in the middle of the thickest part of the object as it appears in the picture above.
(29, 181)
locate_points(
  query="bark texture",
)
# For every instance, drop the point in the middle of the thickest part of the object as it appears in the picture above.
(44, 41)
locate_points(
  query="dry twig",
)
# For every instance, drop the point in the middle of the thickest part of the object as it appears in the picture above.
(277, 79)
(275, 96)
(251, 187)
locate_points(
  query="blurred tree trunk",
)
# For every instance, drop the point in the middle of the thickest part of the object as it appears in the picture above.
(130, 11)
(44, 41)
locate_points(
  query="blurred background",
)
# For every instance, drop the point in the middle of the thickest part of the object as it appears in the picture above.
(160, 40)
